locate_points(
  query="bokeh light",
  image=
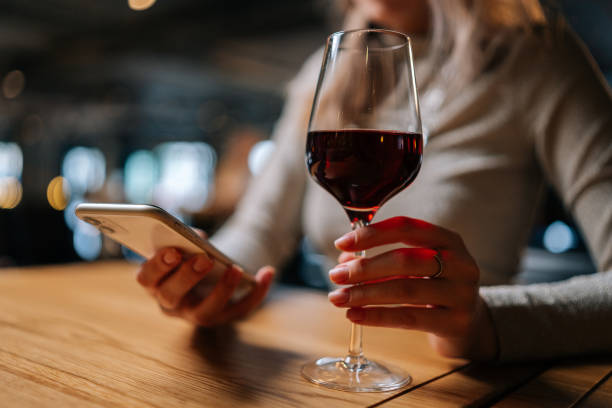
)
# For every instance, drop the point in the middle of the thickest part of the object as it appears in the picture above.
(13, 84)
(140, 175)
(85, 169)
(259, 155)
(559, 237)
(11, 167)
(69, 215)
(58, 193)
(131, 256)
(87, 241)
(11, 192)
(140, 5)
(11, 160)
(186, 174)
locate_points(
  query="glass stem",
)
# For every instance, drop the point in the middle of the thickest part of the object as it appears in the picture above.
(355, 359)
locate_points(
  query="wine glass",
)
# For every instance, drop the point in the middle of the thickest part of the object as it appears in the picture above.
(364, 146)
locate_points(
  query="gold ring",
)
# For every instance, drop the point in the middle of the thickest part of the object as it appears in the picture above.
(438, 258)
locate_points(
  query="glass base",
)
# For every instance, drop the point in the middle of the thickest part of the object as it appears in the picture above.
(355, 374)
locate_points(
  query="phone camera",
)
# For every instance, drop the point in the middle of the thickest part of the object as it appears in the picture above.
(92, 221)
(106, 230)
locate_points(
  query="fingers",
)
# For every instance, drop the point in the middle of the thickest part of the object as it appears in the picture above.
(444, 301)
(416, 262)
(409, 231)
(207, 312)
(172, 290)
(439, 321)
(156, 268)
(263, 281)
(346, 256)
(408, 262)
(436, 292)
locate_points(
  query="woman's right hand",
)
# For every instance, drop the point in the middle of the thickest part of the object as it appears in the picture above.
(170, 277)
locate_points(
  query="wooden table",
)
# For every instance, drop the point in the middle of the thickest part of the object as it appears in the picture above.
(87, 335)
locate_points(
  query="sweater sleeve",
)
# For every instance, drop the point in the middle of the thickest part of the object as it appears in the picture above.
(266, 226)
(568, 112)
(552, 319)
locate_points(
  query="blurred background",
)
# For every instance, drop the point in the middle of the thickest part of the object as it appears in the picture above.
(142, 101)
(165, 102)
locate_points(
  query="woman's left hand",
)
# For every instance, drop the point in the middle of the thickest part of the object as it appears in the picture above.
(439, 296)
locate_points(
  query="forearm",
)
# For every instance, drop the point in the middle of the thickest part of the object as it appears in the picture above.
(267, 224)
(554, 319)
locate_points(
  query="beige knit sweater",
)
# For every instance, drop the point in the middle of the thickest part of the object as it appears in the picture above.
(543, 116)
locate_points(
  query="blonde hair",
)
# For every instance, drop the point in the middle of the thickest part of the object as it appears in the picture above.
(467, 37)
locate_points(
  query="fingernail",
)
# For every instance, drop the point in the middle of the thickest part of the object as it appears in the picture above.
(339, 274)
(338, 297)
(346, 239)
(267, 278)
(237, 275)
(355, 315)
(171, 256)
(201, 263)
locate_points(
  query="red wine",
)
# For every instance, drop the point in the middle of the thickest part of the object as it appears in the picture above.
(363, 168)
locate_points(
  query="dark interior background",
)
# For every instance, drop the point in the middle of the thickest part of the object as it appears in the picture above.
(102, 75)
(85, 80)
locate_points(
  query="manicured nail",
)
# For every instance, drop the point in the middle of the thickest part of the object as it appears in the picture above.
(338, 297)
(267, 278)
(238, 271)
(171, 256)
(355, 315)
(201, 263)
(339, 274)
(346, 239)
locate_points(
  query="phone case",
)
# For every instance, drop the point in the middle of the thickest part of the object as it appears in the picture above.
(146, 228)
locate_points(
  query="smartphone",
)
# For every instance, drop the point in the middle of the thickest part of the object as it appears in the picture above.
(145, 229)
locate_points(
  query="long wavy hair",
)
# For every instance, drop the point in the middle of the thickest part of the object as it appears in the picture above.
(468, 37)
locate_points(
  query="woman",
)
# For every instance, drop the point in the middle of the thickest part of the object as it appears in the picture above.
(509, 104)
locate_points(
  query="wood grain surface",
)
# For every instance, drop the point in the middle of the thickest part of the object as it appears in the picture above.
(600, 396)
(562, 385)
(476, 385)
(87, 335)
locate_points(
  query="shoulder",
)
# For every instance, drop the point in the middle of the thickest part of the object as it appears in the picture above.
(305, 81)
(292, 125)
(300, 94)
(548, 72)
(554, 59)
